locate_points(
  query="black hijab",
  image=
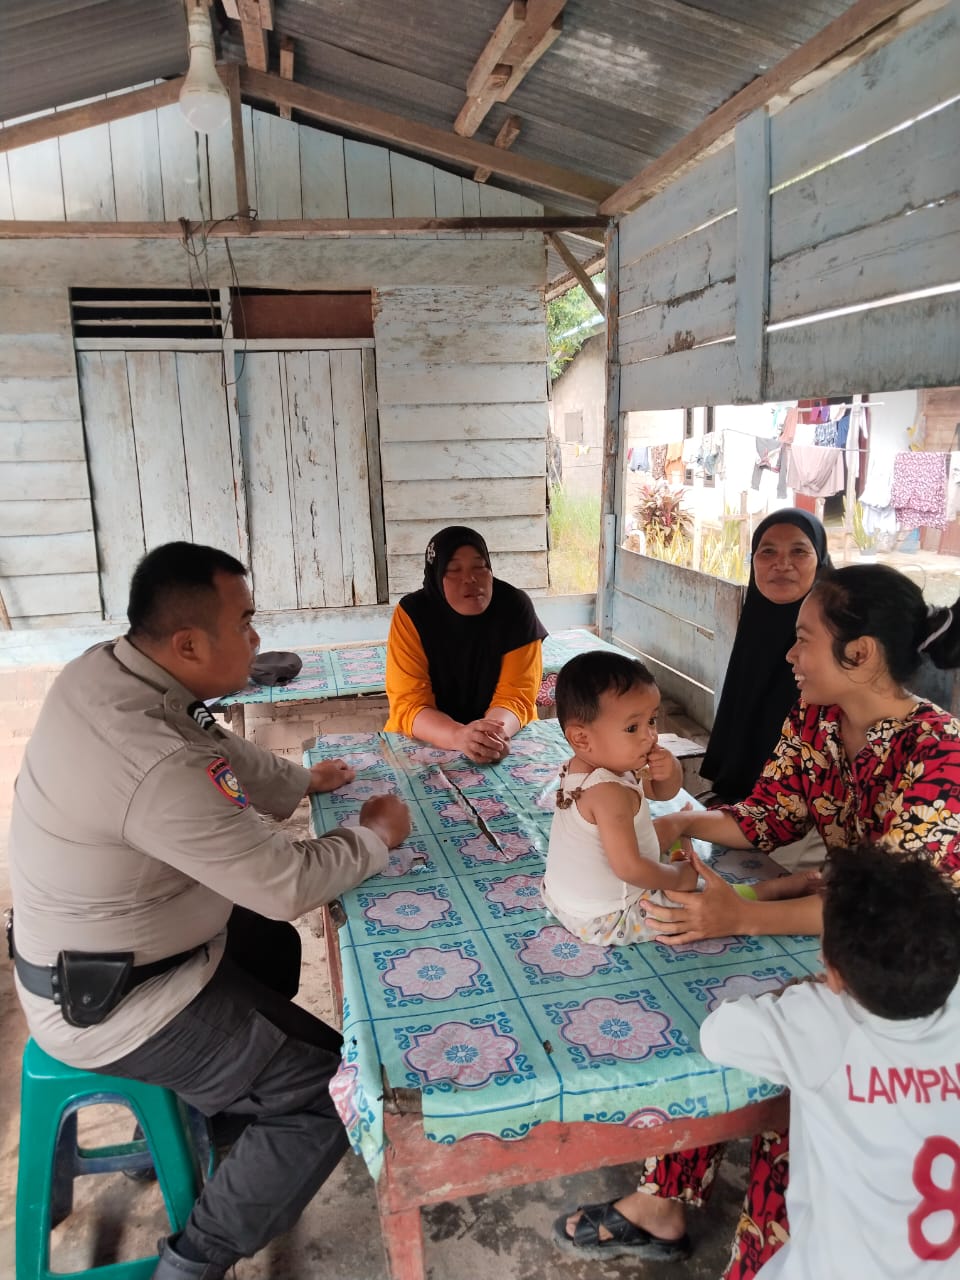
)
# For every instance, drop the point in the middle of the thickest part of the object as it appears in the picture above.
(759, 688)
(464, 654)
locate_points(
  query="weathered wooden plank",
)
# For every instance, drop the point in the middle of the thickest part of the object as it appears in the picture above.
(527, 570)
(137, 184)
(276, 145)
(480, 304)
(41, 441)
(51, 593)
(502, 533)
(452, 460)
(706, 192)
(309, 264)
(35, 311)
(223, 182)
(36, 187)
(349, 424)
(323, 182)
(662, 329)
(58, 620)
(206, 448)
(182, 167)
(903, 172)
(368, 373)
(614, 430)
(114, 478)
(28, 480)
(752, 146)
(158, 436)
(57, 553)
(681, 270)
(261, 401)
(249, 155)
(909, 344)
(457, 500)
(38, 399)
(448, 195)
(897, 256)
(367, 169)
(895, 83)
(86, 166)
(6, 199)
(705, 375)
(399, 423)
(315, 511)
(36, 355)
(451, 383)
(461, 340)
(495, 201)
(412, 184)
(50, 515)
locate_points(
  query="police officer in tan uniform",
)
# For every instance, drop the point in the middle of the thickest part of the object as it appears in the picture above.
(137, 850)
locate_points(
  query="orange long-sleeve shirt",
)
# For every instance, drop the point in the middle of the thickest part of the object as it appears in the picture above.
(408, 678)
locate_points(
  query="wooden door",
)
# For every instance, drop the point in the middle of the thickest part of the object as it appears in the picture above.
(161, 456)
(304, 419)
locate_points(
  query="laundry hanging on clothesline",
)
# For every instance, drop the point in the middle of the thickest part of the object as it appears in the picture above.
(918, 491)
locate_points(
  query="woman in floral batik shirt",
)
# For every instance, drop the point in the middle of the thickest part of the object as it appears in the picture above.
(859, 758)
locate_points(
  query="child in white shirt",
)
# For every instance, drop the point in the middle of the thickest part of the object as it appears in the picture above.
(603, 862)
(871, 1055)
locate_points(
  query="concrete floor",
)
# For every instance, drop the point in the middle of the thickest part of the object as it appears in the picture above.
(506, 1236)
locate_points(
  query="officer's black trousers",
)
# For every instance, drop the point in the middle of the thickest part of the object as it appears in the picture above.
(241, 1046)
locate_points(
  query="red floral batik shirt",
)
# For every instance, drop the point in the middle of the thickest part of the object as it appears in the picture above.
(902, 790)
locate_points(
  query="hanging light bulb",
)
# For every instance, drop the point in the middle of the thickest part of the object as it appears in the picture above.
(204, 99)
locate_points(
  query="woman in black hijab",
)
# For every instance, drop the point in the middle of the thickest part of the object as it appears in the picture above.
(788, 554)
(464, 659)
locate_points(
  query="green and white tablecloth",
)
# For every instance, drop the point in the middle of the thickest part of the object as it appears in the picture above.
(348, 671)
(458, 983)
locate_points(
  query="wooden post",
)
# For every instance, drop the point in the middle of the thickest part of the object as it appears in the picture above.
(611, 488)
(752, 159)
(744, 525)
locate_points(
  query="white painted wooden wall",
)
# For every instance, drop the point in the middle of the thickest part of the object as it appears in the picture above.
(848, 196)
(844, 200)
(48, 558)
(460, 351)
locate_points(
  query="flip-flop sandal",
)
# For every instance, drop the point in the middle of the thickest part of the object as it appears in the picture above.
(626, 1239)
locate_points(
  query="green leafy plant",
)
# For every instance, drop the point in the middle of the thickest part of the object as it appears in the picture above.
(574, 542)
(864, 540)
(660, 513)
(568, 327)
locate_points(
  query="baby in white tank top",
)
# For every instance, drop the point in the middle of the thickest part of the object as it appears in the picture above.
(603, 862)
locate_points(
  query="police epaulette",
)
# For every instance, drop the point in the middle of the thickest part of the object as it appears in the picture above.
(199, 712)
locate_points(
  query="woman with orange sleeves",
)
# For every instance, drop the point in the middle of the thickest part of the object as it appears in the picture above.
(464, 660)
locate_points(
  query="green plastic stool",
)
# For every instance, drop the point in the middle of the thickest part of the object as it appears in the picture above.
(50, 1158)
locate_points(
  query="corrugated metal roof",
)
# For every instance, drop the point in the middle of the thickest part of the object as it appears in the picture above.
(624, 82)
(57, 51)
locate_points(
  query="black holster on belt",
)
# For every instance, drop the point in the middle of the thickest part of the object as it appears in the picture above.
(91, 984)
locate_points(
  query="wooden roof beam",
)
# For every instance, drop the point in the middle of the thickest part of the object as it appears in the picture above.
(509, 132)
(573, 265)
(565, 282)
(57, 123)
(286, 68)
(522, 36)
(858, 21)
(254, 29)
(389, 128)
(299, 228)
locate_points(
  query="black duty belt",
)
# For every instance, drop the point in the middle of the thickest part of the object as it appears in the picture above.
(44, 980)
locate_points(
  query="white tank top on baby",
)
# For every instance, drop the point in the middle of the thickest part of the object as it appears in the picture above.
(579, 878)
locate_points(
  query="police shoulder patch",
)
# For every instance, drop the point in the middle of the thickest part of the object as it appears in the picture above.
(220, 772)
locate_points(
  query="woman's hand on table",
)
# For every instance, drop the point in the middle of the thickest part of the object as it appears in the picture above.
(716, 912)
(328, 775)
(387, 817)
(483, 741)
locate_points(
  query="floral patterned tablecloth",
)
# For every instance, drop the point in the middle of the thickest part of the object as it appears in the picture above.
(459, 984)
(348, 671)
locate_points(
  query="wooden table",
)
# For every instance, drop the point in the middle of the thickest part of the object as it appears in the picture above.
(504, 1050)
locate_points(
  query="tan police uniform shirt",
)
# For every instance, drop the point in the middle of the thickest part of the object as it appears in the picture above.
(134, 829)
